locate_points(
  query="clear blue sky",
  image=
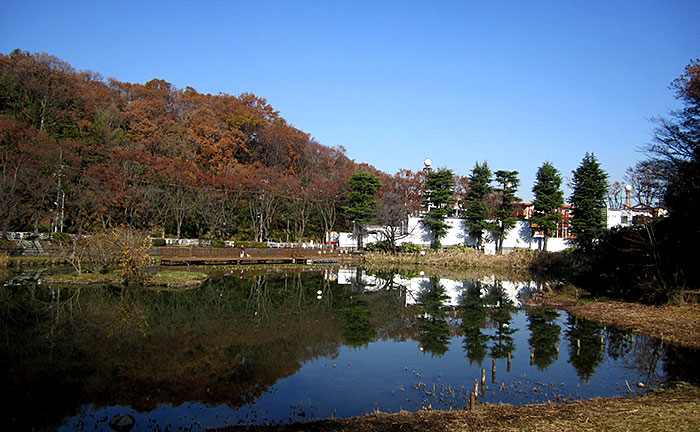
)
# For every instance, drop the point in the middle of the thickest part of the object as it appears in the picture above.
(394, 82)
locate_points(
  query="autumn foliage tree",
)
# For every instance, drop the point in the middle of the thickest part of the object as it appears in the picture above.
(156, 158)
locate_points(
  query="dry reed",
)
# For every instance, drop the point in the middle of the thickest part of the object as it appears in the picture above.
(519, 259)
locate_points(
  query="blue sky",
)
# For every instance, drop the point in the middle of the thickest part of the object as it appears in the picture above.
(394, 82)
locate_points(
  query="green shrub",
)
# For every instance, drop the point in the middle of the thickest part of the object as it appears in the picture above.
(380, 246)
(411, 248)
(459, 248)
(218, 243)
(158, 242)
(571, 250)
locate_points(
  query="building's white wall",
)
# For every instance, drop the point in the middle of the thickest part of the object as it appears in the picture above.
(624, 217)
(520, 237)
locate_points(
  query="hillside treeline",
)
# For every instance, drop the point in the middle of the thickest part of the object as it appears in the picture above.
(85, 152)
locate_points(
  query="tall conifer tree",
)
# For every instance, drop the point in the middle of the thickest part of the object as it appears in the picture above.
(477, 212)
(361, 205)
(590, 186)
(439, 200)
(549, 198)
(503, 215)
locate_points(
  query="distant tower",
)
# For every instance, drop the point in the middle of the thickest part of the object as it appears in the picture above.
(427, 164)
(628, 194)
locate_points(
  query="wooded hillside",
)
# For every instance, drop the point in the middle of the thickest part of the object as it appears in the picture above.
(154, 157)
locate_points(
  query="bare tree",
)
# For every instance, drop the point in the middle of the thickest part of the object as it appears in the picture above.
(615, 195)
(647, 179)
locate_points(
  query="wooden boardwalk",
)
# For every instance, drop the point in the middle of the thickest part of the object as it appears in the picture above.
(232, 256)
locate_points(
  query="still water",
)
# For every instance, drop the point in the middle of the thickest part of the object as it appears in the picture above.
(283, 347)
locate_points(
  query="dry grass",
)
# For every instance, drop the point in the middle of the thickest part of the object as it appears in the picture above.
(519, 259)
(4, 259)
(669, 410)
(454, 258)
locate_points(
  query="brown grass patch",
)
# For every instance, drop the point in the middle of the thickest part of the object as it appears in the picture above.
(517, 260)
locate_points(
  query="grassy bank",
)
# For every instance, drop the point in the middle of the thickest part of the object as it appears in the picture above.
(164, 278)
(520, 259)
(30, 261)
(675, 409)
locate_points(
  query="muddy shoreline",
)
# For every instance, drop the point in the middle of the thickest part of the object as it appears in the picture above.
(675, 409)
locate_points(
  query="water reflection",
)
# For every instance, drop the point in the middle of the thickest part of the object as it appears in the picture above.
(287, 346)
(544, 336)
(501, 315)
(586, 345)
(434, 335)
(474, 315)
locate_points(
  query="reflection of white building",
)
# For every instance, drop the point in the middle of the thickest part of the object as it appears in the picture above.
(415, 286)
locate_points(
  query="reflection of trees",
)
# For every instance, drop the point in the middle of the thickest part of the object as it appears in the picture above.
(544, 336)
(390, 316)
(585, 348)
(648, 356)
(434, 333)
(501, 315)
(473, 320)
(619, 342)
(112, 346)
(680, 364)
(358, 329)
(646, 359)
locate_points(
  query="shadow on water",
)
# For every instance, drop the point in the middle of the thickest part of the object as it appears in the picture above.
(284, 347)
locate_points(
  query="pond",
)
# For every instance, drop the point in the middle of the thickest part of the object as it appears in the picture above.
(278, 347)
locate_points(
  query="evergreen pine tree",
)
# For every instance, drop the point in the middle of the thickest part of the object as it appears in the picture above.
(477, 212)
(590, 186)
(503, 217)
(549, 198)
(361, 205)
(439, 198)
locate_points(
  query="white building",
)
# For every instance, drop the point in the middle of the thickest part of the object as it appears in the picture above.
(520, 237)
(626, 216)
